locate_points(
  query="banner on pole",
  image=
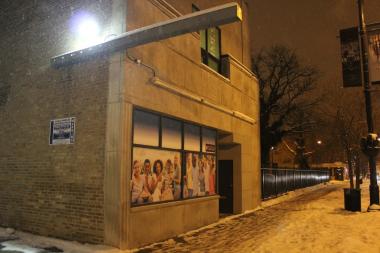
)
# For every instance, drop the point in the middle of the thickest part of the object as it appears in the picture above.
(350, 50)
(374, 55)
(351, 60)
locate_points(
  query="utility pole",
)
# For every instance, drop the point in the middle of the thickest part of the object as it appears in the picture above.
(369, 144)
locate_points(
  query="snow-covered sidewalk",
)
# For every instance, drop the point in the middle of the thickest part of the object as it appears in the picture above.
(19, 242)
(308, 220)
(312, 222)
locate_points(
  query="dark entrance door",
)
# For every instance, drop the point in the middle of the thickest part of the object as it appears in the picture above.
(225, 180)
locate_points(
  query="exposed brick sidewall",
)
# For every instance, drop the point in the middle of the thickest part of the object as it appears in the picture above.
(50, 190)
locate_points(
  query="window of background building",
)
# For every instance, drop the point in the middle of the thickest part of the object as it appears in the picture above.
(210, 46)
(168, 162)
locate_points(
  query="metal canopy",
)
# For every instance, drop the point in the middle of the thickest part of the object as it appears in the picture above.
(220, 15)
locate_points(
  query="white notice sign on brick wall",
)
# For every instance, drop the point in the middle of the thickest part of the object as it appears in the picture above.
(62, 131)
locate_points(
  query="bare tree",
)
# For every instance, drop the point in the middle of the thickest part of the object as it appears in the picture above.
(343, 126)
(285, 85)
(349, 132)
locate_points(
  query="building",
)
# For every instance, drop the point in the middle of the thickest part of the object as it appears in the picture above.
(75, 139)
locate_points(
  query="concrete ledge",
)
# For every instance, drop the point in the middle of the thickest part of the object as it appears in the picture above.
(144, 208)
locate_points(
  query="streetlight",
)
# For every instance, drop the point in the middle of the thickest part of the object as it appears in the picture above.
(272, 154)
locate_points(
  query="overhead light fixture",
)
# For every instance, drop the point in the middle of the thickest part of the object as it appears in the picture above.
(85, 29)
(216, 16)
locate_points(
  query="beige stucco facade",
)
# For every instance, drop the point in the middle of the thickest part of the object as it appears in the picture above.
(230, 105)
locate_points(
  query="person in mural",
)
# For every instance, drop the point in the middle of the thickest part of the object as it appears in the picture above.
(188, 178)
(167, 187)
(211, 162)
(195, 174)
(148, 178)
(206, 171)
(177, 178)
(201, 178)
(157, 180)
(166, 191)
(138, 189)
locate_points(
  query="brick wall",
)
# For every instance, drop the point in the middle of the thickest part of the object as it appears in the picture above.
(50, 190)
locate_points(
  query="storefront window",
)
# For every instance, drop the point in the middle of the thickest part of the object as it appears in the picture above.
(165, 169)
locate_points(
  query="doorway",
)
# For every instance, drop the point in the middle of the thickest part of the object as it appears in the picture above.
(225, 182)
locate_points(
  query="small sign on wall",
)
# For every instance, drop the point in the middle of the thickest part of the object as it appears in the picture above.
(62, 131)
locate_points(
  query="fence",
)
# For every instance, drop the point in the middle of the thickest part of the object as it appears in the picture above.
(279, 181)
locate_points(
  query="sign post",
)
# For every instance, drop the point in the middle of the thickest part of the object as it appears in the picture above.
(370, 144)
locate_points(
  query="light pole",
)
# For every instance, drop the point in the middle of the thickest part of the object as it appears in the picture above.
(370, 143)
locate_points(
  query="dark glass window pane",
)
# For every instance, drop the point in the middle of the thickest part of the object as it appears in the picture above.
(204, 56)
(171, 133)
(146, 128)
(192, 137)
(213, 64)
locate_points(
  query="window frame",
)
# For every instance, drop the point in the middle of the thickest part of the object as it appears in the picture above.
(205, 54)
(182, 151)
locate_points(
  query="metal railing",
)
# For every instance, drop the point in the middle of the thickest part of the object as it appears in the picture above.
(275, 182)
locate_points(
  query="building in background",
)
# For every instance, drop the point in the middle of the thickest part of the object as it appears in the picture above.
(130, 148)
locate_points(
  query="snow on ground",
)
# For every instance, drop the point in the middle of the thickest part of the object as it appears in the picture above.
(322, 225)
(308, 220)
(21, 242)
(312, 222)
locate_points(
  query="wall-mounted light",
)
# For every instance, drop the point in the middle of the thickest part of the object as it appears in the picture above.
(86, 30)
(192, 22)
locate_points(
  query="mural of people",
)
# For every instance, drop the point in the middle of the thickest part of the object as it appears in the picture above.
(157, 180)
(206, 171)
(167, 187)
(177, 178)
(195, 174)
(201, 170)
(189, 175)
(211, 161)
(156, 175)
(140, 193)
(160, 182)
